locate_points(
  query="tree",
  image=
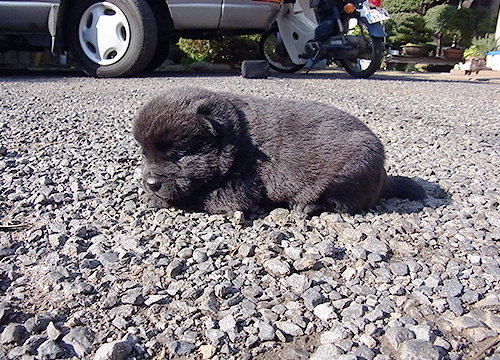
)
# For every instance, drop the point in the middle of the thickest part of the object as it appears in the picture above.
(407, 28)
(439, 19)
(398, 6)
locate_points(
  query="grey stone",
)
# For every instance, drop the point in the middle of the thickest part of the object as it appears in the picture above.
(306, 262)
(16, 352)
(39, 322)
(228, 324)
(223, 290)
(246, 250)
(53, 333)
(374, 315)
(185, 253)
(289, 328)
(199, 256)
(279, 216)
(455, 305)
(327, 249)
(181, 348)
(106, 259)
(312, 298)
(133, 296)
(364, 352)
(215, 336)
(354, 310)
(174, 268)
(397, 335)
(433, 281)
(294, 354)
(325, 312)
(298, 283)
(266, 332)
(33, 342)
(422, 332)
(358, 252)
(374, 245)
(80, 339)
(327, 352)
(399, 268)
(49, 349)
(419, 350)
(452, 287)
(116, 350)
(470, 297)
(13, 333)
(348, 357)
(277, 267)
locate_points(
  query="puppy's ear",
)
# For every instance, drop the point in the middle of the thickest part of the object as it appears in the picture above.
(214, 123)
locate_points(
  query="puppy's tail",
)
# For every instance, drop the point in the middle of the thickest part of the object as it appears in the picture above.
(403, 187)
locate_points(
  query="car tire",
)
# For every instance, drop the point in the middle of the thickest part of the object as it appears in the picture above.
(160, 55)
(114, 38)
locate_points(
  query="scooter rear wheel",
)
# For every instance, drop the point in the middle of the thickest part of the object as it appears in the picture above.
(370, 57)
(274, 52)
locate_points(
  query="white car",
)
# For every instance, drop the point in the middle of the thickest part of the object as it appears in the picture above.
(124, 37)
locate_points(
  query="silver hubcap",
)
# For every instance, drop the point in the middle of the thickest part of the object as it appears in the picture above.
(104, 33)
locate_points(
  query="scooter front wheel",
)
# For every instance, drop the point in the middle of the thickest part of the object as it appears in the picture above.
(274, 52)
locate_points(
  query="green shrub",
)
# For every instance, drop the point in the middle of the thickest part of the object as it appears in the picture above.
(407, 28)
(230, 50)
(196, 50)
(438, 18)
(462, 26)
(397, 6)
(450, 25)
(481, 46)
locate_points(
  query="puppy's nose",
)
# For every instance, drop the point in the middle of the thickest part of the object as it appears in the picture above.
(153, 183)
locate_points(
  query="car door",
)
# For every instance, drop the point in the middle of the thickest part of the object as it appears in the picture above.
(248, 14)
(25, 17)
(195, 14)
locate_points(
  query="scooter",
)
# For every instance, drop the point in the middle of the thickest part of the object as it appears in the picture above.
(349, 33)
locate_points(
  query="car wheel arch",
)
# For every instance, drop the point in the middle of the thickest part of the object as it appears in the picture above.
(61, 44)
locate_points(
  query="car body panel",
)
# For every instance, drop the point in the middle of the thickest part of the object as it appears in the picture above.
(25, 17)
(42, 23)
(244, 14)
(195, 14)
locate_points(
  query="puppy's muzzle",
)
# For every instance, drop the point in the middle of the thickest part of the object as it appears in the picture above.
(153, 183)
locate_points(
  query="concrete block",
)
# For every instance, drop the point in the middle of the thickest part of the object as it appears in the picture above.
(255, 69)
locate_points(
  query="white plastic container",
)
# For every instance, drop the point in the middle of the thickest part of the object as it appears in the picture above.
(493, 60)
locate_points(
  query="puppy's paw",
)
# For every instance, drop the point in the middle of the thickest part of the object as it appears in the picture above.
(307, 208)
(155, 202)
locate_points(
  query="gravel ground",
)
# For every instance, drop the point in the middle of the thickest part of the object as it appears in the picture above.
(88, 271)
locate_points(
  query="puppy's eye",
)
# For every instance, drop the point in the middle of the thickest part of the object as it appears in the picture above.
(161, 147)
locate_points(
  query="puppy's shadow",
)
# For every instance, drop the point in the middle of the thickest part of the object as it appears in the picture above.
(436, 198)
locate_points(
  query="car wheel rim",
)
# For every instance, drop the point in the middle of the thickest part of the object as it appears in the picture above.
(104, 33)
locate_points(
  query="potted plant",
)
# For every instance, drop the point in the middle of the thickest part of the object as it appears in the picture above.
(453, 53)
(408, 31)
(415, 50)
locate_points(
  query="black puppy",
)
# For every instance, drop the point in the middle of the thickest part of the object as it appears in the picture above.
(216, 152)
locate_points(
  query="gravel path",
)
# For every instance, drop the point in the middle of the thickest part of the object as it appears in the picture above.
(88, 271)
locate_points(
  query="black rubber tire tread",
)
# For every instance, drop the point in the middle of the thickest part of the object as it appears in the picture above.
(143, 39)
(285, 68)
(377, 55)
(160, 55)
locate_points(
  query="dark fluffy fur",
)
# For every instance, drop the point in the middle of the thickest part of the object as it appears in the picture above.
(214, 152)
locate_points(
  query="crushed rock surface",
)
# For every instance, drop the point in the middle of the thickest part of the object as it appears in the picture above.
(88, 271)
